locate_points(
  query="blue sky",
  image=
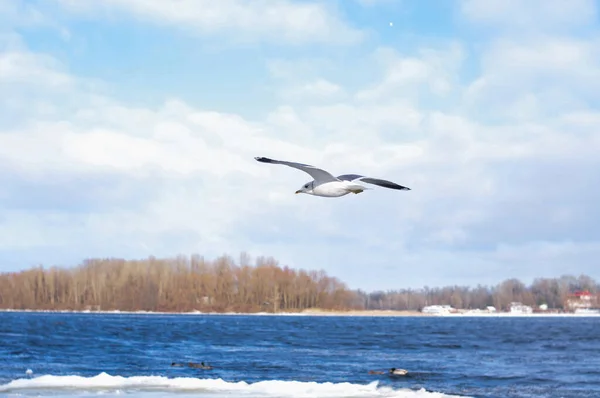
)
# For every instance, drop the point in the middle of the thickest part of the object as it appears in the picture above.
(128, 128)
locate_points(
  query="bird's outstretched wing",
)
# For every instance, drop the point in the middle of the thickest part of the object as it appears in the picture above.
(319, 175)
(370, 180)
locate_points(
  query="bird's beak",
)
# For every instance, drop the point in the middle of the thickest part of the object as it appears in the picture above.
(298, 191)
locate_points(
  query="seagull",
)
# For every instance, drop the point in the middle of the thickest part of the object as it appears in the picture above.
(326, 185)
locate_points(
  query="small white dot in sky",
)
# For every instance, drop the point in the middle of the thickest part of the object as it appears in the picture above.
(391, 24)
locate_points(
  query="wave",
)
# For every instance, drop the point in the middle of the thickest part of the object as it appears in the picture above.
(104, 382)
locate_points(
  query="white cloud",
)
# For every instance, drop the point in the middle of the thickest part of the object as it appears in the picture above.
(22, 14)
(530, 15)
(371, 3)
(294, 69)
(23, 67)
(318, 88)
(271, 20)
(503, 174)
(405, 75)
(544, 61)
(303, 80)
(19, 14)
(529, 79)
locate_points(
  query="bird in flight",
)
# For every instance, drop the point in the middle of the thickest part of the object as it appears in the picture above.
(326, 185)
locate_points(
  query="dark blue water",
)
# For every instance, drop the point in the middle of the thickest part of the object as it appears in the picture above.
(470, 356)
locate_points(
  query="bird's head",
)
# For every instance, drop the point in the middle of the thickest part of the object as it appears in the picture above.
(306, 188)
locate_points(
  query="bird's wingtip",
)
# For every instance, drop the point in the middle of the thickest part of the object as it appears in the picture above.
(263, 159)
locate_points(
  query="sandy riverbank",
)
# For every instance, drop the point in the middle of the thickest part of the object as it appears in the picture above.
(321, 312)
(317, 311)
(465, 314)
(309, 312)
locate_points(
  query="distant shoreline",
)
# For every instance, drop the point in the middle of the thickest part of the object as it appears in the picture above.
(319, 312)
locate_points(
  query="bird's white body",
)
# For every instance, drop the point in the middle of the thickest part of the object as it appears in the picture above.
(334, 189)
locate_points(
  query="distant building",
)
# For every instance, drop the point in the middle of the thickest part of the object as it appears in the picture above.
(519, 308)
(488, 310)
(544, 307)
(582, 299)
(438, 309)
(587, 311)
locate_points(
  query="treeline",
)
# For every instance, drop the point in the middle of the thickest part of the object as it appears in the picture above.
(175, 284)
(554, 292)
(193, 283)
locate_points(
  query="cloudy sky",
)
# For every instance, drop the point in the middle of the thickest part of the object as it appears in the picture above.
(128, 128)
